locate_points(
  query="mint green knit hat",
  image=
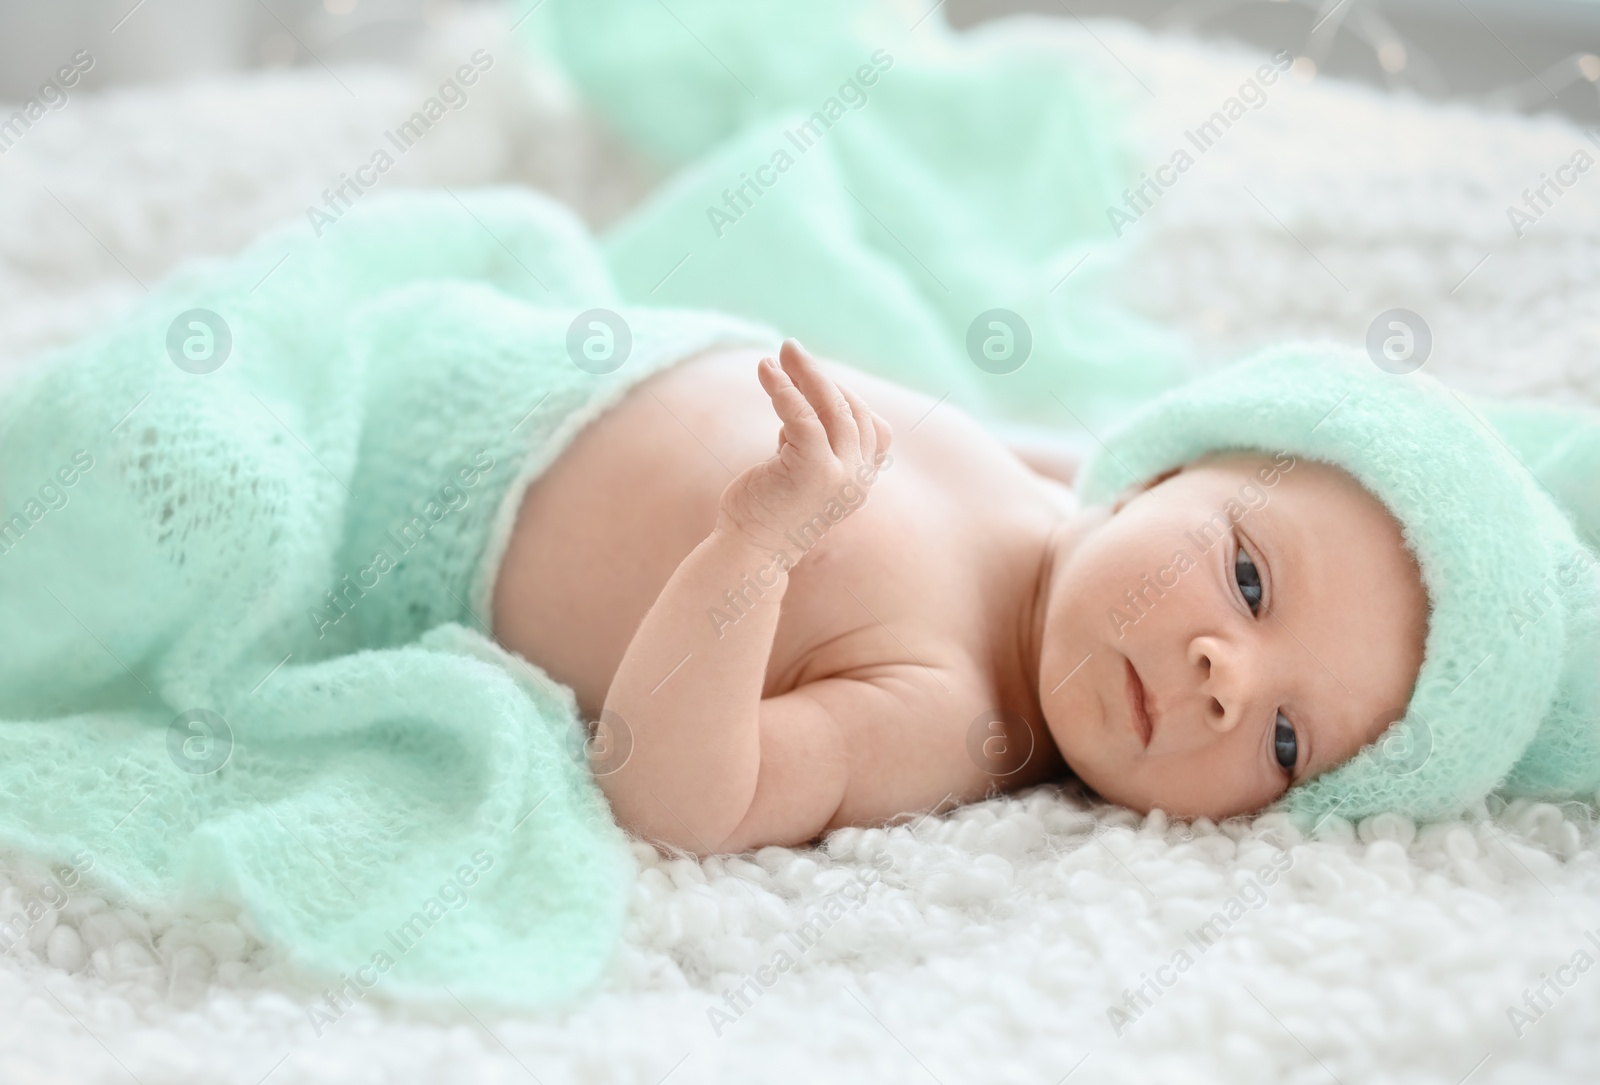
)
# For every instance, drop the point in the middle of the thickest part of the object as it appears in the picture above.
(1508, 697)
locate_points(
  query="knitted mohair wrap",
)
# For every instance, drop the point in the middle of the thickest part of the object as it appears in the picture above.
(251, 533)
(1507, 698)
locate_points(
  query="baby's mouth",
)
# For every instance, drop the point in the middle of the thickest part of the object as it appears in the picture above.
(1139, 713)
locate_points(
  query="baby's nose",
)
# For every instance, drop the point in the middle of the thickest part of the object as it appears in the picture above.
(1219, 676)
(1218, 717)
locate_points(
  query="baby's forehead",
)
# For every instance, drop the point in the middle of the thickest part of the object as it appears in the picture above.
(1311, 505)
(1286, 472)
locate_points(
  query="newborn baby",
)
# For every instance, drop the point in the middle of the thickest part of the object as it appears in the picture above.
(780, 638)
(245, 591)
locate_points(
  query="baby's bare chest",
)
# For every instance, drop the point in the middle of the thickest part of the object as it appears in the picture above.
(881, 574)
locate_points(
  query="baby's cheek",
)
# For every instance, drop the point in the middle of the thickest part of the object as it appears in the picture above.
(1130, 600)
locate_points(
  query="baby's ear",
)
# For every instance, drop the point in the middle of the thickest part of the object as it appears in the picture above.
(1138, 488)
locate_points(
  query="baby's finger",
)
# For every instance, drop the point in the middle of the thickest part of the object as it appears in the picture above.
(801, 426)
(824, 397)
(867, 433)
(885, 435)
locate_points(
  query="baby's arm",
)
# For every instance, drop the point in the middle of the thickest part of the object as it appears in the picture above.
(689, 688)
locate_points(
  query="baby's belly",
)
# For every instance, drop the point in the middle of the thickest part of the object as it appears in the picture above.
(601, 531)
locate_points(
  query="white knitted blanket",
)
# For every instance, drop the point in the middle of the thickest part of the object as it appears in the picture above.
(1029, 939)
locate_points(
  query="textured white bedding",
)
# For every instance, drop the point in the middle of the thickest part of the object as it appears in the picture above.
(990, 944)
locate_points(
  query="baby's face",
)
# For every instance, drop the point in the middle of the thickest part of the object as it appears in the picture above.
(1242, 625)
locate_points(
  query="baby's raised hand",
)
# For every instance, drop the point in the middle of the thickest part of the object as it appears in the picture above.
(829, 450)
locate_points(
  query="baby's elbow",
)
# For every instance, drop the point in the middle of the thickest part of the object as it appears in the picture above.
(699, 816)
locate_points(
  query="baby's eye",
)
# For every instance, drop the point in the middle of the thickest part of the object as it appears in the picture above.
(1248, 577)
(1285, 747)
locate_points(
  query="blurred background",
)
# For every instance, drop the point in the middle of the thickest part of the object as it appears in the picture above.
(1397, 167)
(1531, 55)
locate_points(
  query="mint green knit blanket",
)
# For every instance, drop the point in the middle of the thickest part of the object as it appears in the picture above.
(244, 582)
